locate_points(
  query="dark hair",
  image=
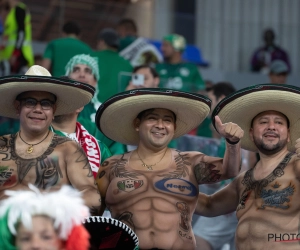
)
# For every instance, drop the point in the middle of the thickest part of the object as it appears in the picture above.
(287, 119)
(19, 96)
(221, 88)
(144, 66)
(71, 28)
(144, 113)
(110, 37)
(128, 23)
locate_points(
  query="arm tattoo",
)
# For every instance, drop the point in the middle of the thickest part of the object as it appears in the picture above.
(82, 158)
(6, 147)
(205, 173)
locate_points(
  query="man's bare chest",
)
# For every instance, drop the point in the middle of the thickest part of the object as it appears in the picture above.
(277, 192)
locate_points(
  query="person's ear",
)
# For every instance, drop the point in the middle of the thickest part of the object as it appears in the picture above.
(251, 134)
(54, 109)
(289, 136)
(136, 124)
(156, 82)
(79, 110)
(17, 105)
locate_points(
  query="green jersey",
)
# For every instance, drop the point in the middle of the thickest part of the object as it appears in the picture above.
(61, 50)
(114, 72)
(181, 76)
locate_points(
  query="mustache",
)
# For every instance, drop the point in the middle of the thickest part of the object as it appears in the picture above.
(271, 134)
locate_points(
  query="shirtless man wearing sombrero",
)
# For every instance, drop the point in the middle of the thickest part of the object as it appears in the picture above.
(35, 154)
(154, 189)
(266, 198)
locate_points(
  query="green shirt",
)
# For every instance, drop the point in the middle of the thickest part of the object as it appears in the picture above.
(181, 76)
(204, 128)
(61, 50)
(9, 126)
(114, 72)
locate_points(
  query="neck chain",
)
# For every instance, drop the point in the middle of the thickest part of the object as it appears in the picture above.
(149, 167)
(30, 148)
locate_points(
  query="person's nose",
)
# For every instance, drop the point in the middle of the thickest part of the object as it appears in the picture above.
(160, 124)
(36, 243)
(271, 125)
(38, 107)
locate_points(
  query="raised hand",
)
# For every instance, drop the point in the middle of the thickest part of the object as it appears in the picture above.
(231, 131)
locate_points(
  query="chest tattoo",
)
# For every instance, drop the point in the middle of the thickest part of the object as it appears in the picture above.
(182, 167)
(277, 198)
(271, 198)
(47, 169)
(118, 169)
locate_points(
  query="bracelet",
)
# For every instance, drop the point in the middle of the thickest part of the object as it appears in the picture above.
(232, 143)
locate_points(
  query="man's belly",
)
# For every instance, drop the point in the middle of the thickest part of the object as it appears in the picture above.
(158, 223)
(268, 232)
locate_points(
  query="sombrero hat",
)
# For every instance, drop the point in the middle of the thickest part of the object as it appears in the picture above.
(108, 233)
(242, 106)
(70, 94)
(115, 116)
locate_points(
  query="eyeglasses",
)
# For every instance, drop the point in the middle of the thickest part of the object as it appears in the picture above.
(31, 103)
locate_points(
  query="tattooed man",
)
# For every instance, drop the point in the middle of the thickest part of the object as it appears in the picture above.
(35, 154)
(265, 197)
(154, 189)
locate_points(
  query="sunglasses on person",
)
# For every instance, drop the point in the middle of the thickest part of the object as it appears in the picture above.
(32, 102)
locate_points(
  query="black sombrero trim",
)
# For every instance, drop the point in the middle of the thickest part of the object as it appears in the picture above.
(140, 92)
(113, 222)
(48, 79)
(252, 89)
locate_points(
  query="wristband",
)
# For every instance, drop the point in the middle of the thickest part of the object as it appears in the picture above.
(232, 143)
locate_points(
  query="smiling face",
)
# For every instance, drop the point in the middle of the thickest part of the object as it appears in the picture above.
(35, 119)
(270, 132)
(42, 236)
(156, 128)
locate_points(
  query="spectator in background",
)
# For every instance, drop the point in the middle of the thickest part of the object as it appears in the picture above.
(114, 70)
(127, 31)
(174, 73)
(143, 76)
(84, 68)
(278, 72)
(33, 220)
(59, 51)
(15, 46)
(137, 50)
(265, 55)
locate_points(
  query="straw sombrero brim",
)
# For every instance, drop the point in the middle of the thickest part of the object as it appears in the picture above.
(115, 116)
(70, 94)
(242, 106)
